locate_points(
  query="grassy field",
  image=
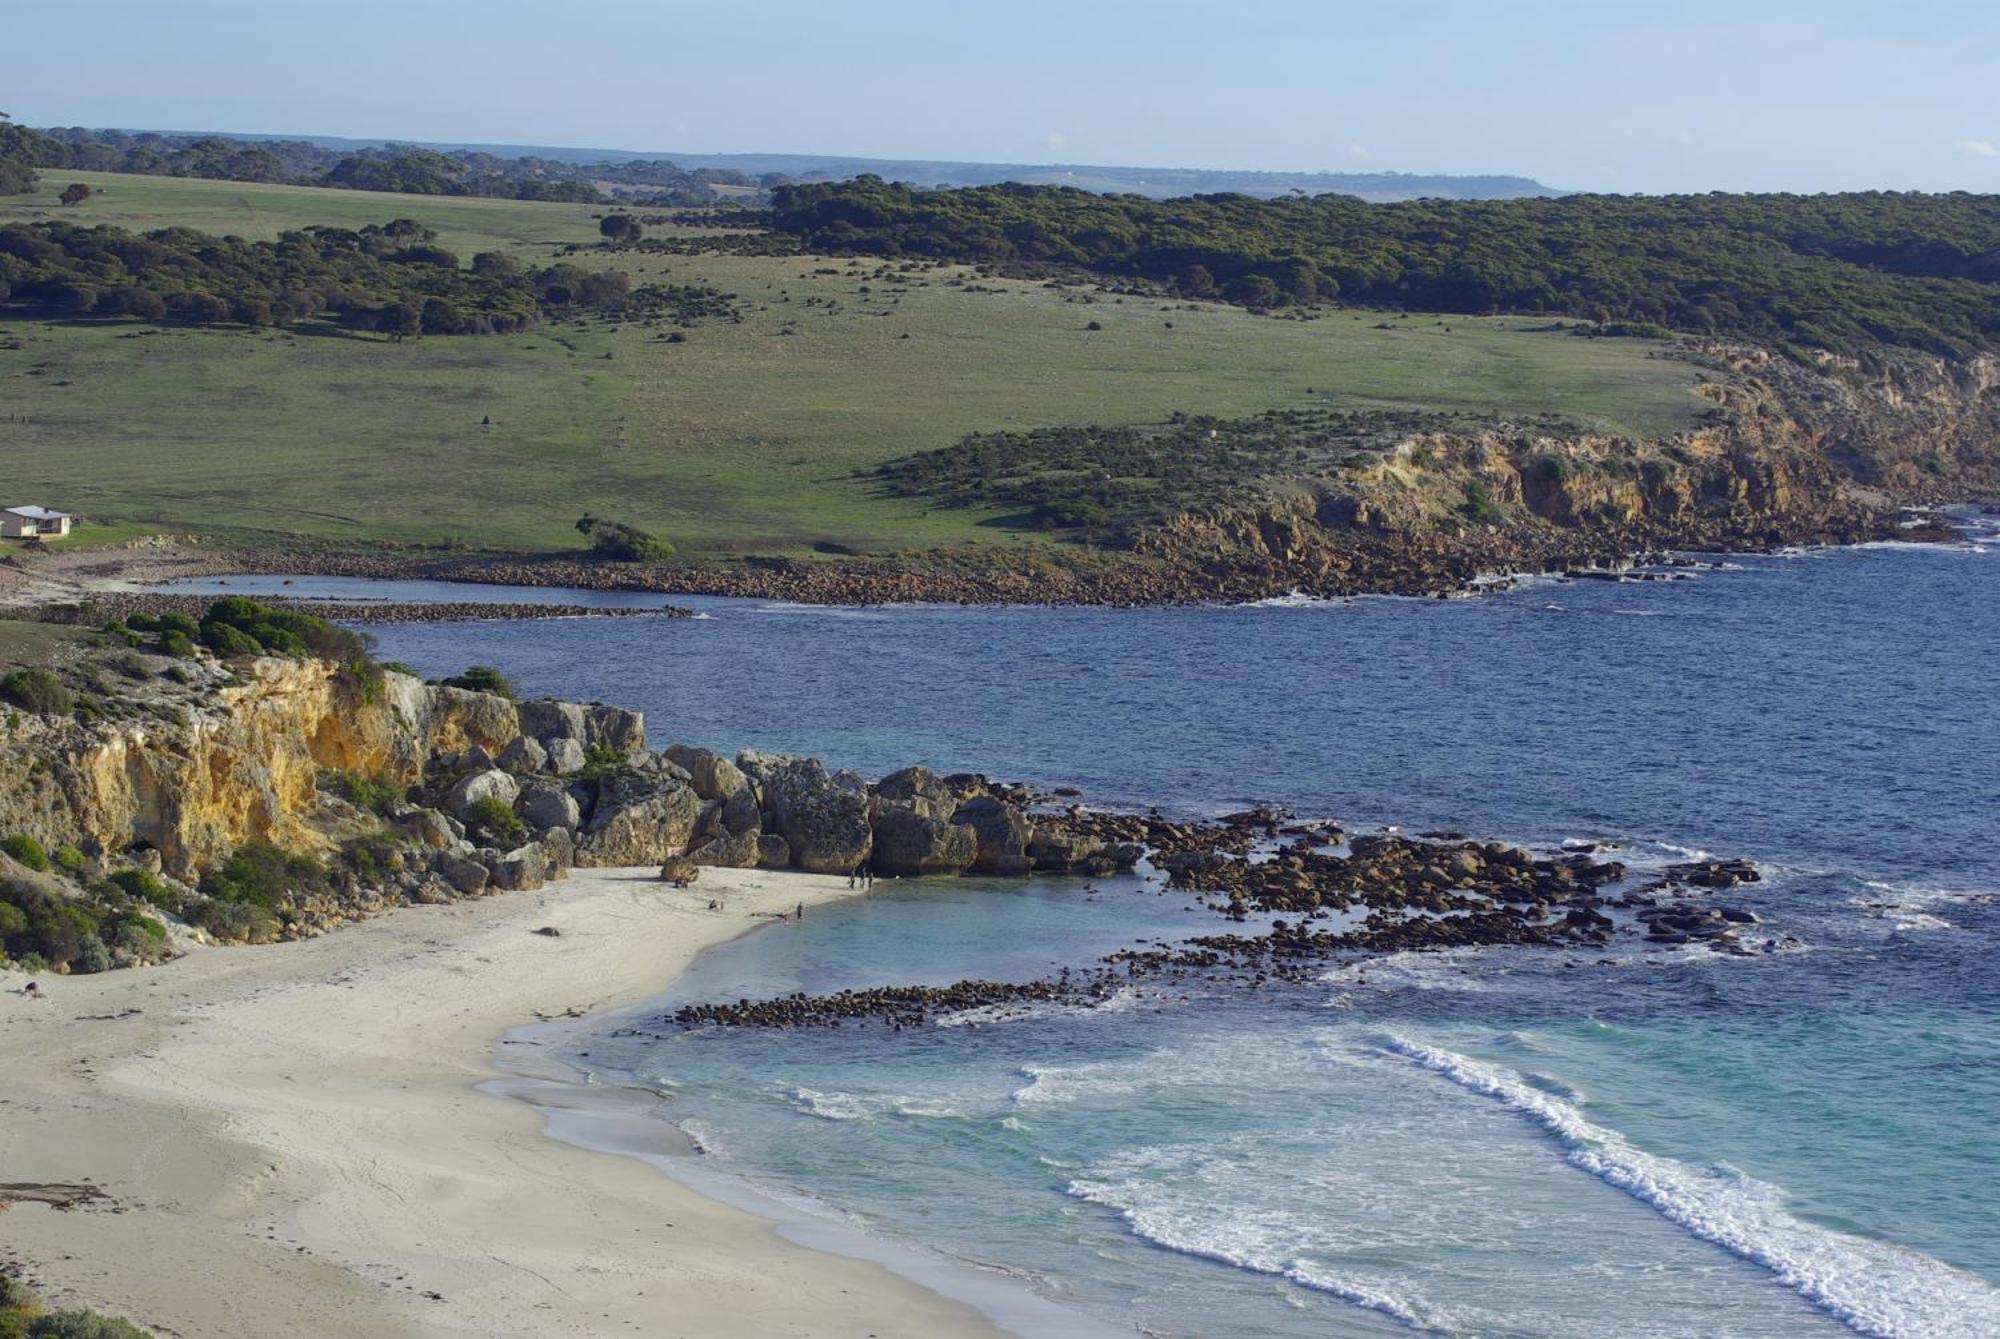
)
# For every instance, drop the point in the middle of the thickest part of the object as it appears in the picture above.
(747, 437)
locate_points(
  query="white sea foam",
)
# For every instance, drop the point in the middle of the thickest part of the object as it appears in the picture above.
(867, 1106)
(1875, 1288)
(1444, 970)
(1118, 1002)
(1153, 1211)
(1293, 600)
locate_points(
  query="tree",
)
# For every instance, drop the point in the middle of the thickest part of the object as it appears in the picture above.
(620, 229)
(75, 193)
(399, 319)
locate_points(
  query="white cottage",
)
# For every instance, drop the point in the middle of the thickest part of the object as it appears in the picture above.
(34, 523)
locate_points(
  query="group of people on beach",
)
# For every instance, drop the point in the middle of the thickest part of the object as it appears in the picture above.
(861, 876)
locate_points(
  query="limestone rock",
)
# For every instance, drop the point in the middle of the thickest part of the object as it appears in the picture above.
(679, 869)
(543, 805)
(907, 842)
(920, 790)
(638, 821)
(466, 876)
(523, 869)
(826, 825)
(739, 851)
(524, 755)
(773, 851)
(476, 786)
(1003, 834)
(565, 756)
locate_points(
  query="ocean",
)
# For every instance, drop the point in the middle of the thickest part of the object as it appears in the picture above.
(1501, 1142)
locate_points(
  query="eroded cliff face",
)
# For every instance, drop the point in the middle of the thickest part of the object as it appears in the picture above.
(1787, 454)
(231, 761)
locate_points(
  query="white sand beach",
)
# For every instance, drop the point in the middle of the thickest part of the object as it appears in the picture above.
(294, 1141)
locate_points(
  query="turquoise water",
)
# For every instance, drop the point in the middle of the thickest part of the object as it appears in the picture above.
(1502, 1142)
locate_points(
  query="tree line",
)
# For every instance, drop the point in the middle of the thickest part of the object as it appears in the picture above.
(400, 168)
(393, 278)
(1841, 272)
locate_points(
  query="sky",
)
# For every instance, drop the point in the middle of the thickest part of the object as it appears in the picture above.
(1602, 95)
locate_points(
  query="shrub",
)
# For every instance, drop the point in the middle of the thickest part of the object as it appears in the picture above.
(378, 795)
(1479, 507)
(26, 850)
(490, 816)
(236, 920)
(145, 886)
(482, 679)
(623, 543)
(602, 759)
(38, 691)
(70, 860)
(262, 875)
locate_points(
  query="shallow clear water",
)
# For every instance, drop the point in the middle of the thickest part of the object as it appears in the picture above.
(1655, 1142)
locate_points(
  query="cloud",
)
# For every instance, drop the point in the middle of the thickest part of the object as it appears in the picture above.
(1979, 148)
(1360, 153)
(1057, 140)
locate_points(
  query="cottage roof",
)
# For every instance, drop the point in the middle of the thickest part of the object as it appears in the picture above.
(37, 513)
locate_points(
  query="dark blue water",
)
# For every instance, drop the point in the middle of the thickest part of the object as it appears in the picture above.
(1497, 1143)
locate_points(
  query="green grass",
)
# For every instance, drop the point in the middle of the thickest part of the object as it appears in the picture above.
(744, 438)
(261, 212)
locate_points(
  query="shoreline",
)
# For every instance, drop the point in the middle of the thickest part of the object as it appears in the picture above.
(292, 1140)
(626, 1121)
(1409, 565)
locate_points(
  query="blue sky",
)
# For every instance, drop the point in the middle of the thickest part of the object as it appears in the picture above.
(1668, 95)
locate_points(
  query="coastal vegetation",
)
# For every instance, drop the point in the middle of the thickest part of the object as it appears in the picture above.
(752, 435)
(392, 278)
(398, 168)
(22, 1316)
(1841, 272)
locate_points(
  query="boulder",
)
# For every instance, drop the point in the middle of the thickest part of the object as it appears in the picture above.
(738, 851)
(638, 821)
(1003, 834)
(713, 777)
(524, 755)
(773, 851)
(825, 825)
(523, 869)
(1054, 847)
(565, 756)
(466, 876)
(740, 813)
(543, 805)
(559, 847)
(907, 842)
(549, 720)
(430, 827)
(679, 869)
(920, 790)
(476, 786)
(614, 728)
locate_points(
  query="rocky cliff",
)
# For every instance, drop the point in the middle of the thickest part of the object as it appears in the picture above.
(1787, 454)
(262, 797)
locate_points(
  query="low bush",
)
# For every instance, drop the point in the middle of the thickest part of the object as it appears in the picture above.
(261, 875)
(490, 817)
(377, 795)
(26, 850)
(38, 691)
(70, 860)
(482, 679)
(623, 543)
